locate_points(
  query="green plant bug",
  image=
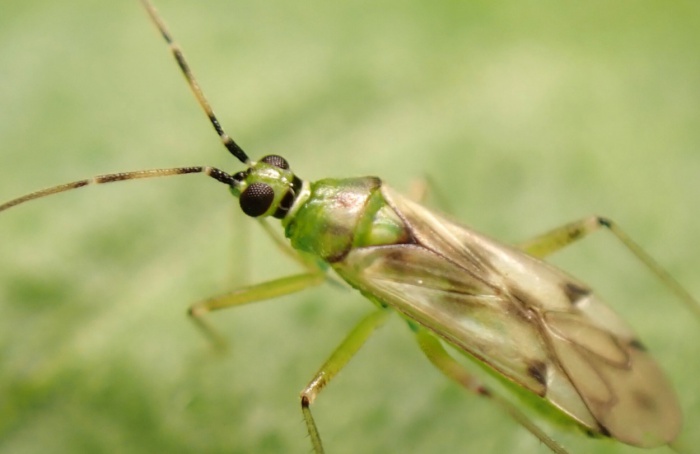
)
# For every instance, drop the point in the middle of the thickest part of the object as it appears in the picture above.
(407, 259)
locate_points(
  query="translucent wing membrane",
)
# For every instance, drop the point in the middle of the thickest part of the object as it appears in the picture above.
(513, 312)
(620, 383)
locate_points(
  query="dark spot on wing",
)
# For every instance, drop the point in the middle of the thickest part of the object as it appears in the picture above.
(538, 371)
(602, 431)
(644, 400)
(574, 292)
(397, 255)
(522, 310)
(637, 345)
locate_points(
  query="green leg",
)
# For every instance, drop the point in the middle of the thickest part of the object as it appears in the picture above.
(556, 239)
(437, 355)
(250, 294)
(338, 359)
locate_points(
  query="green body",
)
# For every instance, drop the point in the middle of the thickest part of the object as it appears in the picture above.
(339, 215)
(541, 331)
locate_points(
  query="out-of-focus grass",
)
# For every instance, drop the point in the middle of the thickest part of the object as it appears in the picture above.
(526, 114)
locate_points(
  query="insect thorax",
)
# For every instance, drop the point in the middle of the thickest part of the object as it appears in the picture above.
(343, 214)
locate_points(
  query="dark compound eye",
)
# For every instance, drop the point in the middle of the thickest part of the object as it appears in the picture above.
(256, 199)
(277, 161)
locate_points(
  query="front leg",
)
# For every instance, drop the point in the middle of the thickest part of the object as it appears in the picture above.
(250, 294)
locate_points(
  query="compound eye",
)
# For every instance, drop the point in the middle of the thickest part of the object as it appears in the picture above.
(277, 161)
(256, 199)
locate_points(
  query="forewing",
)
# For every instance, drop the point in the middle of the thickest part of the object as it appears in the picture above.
(619, 381)
(466, 311)
(587, 352)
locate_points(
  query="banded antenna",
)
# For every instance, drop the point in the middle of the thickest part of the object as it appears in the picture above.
(212, 172)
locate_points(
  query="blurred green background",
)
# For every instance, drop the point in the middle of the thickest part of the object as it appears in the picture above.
(525, 114)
